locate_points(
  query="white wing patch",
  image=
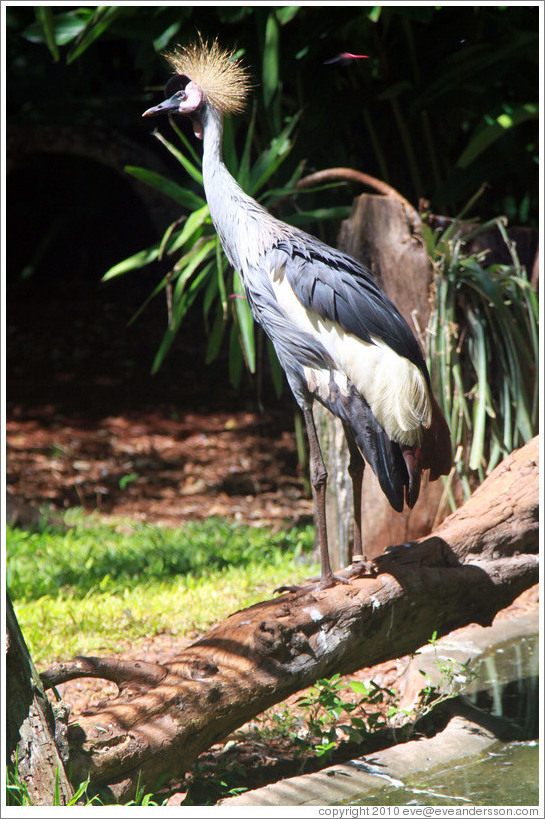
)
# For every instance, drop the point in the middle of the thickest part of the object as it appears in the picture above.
(393, 386)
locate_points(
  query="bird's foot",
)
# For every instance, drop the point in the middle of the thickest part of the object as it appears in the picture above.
(360, 568)
(289, 589)
(326, 582)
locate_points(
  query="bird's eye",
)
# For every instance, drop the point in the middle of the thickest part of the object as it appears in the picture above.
(175, 84)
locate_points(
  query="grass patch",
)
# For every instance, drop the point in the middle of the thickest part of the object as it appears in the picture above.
(98, 586)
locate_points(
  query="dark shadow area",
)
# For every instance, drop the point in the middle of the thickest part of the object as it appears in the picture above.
(69, 342)
(76, 360)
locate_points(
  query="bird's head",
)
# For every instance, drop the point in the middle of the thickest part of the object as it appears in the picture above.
(204, 74)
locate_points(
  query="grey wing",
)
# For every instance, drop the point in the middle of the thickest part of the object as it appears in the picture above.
(339, 288)
(295, 348)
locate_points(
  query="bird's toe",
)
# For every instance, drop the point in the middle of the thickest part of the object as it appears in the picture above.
(330, 581)
(326, 582)
(284, 589)
(361, 568)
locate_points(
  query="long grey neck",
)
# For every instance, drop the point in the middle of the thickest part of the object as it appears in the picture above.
(213, 166)
(244, 227)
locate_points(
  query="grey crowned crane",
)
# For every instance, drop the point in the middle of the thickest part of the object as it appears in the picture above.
(338, 337)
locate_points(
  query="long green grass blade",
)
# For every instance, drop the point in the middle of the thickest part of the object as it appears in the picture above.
(102, 19)
(245, 323)
(236, 358)
(489, 133)
(482, 350)
(221, 278)
(185, 271)
(271, 159)
(184, 197)
(191, 168)
(193, 225)
(188, 145)
(277, 373)
(179, 311)
(319, 215)
(216, 335)
(135, 262)
(244, 168)
(270, 72)
(44, 16)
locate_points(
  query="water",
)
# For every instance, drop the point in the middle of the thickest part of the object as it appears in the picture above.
(506, 687)
(507, 775)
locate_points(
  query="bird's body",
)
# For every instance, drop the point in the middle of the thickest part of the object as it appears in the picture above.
(338, 337)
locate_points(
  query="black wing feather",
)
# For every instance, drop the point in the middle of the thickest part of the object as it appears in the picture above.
(339, 288)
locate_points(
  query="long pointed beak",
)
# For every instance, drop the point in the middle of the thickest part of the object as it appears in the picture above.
(170, 106)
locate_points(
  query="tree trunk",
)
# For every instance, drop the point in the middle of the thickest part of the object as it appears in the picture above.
(34, 737)
(474, 564)
(385, 235)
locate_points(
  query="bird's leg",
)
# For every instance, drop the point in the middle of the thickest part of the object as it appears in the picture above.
(318, 477)
(356, 469)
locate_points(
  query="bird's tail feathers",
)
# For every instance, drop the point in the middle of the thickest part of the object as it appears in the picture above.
(386, 460)
(413, 461)
(382, 454)
(397, 467)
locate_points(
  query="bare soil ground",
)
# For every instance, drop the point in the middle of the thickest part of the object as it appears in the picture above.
(88, 425)
(154, 467)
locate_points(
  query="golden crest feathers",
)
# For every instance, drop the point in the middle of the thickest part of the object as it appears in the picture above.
(223, 79)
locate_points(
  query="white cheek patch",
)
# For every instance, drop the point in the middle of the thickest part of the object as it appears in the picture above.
(393, 386)
(192, 99)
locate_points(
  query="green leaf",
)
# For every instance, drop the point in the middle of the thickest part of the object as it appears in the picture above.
(319, 215)
(195, 258)
(395, 90)
(472, 62)
(359, 687)
(285, 14)
(186, 163)
(277, 373)
(210, 296)
(180, 310)
(270, 71)
(101, 20)
(67, 26)
(125, 480)
(245, 323)
(185, 142)
(243, 176)
(44, 16)
(184, 197)
(221, 279)
(192, 225)
(270, 159)
(161, 42)
(485, 136)
(140, 259)
(476, 455)
(236, 359)
(216, 335)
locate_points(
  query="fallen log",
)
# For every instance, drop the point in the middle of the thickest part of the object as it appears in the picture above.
(474, 564)
(34, 739)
